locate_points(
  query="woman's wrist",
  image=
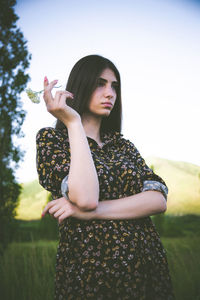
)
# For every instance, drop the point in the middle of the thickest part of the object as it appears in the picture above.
(73, 123)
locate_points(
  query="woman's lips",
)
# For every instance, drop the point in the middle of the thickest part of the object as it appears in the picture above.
(107, 104)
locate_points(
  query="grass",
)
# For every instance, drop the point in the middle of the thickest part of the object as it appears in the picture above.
(184, 263)
(27, 269)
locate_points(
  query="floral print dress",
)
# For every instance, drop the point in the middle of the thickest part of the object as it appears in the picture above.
(106, 259)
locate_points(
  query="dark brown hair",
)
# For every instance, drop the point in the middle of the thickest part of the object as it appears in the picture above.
(82, 83)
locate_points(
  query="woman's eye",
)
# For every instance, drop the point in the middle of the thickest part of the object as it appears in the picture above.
(115, 87)
(100, 83)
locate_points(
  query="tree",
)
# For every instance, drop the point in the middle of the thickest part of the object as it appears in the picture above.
(14, 60)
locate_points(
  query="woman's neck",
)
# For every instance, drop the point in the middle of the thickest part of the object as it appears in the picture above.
(91, 125)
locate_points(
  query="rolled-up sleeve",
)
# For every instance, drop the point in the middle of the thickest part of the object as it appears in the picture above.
(152, 185)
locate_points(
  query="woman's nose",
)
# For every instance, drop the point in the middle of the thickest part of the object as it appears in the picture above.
(109, 91)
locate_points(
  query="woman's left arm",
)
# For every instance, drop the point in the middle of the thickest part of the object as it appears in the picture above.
(132, 207)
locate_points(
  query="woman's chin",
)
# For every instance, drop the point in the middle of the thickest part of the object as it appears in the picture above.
(106, 113)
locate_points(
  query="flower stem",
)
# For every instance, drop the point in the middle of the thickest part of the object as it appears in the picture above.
(56, 87)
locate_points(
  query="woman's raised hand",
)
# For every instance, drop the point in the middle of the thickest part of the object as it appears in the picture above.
(57, 106)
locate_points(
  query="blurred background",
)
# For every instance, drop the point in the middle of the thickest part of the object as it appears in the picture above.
(155, 45)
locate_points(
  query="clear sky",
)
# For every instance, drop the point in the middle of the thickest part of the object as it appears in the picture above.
(154, 43)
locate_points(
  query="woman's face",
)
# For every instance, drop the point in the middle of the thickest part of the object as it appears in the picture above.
(103, 98)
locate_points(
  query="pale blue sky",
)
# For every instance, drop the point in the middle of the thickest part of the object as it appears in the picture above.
(154, 43)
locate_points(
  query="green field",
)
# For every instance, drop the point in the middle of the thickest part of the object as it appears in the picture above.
(27, 269)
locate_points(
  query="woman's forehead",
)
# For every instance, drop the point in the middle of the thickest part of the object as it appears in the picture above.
(108, 74)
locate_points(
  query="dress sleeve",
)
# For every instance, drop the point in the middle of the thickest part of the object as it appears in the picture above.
(150, 180)
(52, 159)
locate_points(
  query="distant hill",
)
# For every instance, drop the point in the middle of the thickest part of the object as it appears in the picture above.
(182, 179)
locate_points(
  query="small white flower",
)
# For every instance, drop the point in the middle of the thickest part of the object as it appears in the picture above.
(34, 96)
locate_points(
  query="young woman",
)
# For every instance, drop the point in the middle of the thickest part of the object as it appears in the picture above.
(103, 193)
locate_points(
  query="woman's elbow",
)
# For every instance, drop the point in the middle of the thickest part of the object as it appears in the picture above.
(163, 204)
(160, 203)
(83, 201)
(87, 204)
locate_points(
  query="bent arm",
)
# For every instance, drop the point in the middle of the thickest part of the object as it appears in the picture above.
(82, 180)
(82, 177)
(132, 207)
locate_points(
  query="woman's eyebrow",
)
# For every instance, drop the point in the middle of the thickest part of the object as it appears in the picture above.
(104, 80)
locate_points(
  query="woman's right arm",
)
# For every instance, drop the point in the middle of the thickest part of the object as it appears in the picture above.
(82, 178)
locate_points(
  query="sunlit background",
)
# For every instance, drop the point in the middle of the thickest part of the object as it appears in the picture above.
(155, 44)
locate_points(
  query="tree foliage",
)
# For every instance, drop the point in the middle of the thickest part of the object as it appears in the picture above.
(14, 60)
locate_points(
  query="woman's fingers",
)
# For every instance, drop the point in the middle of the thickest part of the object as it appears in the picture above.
(65, 215)
(45, 210)
(49, 205)
(59, 101)
(61, 209)
(64, 212)
(46, 82)
(48, 98)
(61, 96)
(55, 207)
(57, 105)
(59, 212)
(47, 85)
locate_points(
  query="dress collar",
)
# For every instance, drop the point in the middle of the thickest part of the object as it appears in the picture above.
(106, 137)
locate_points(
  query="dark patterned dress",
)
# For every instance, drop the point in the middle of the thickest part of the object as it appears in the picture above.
(106, 259)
